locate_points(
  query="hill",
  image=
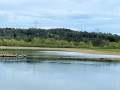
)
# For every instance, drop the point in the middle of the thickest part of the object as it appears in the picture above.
(97, 39)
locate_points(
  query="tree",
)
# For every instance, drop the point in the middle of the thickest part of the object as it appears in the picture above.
(50, 41)
(82, 44)
(1, 43)
(113, 45)
(89, 44)
(35, 41)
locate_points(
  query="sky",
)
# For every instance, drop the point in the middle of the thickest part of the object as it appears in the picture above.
(80, 15)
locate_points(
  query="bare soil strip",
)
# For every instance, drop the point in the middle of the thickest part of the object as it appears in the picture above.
(60, 57)
(65, 49)
(75, 58)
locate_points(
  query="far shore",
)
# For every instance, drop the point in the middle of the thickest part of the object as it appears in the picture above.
(64, 49)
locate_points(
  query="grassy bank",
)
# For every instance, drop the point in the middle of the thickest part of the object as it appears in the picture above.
(109, 50)
(81, 50)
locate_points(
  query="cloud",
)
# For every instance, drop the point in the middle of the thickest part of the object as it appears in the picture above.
(12, 2)
(78, 14)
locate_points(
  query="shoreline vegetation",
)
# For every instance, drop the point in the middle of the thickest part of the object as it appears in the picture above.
(60, 39)
(81, 50)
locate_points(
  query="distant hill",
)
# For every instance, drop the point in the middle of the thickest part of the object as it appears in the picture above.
(57, 34)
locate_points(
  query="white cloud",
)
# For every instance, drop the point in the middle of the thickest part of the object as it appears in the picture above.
(62, 13)
(13, 1)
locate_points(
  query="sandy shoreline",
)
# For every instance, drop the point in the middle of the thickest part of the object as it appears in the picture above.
(64, 49)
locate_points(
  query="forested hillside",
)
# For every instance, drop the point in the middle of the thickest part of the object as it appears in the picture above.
(43, 37)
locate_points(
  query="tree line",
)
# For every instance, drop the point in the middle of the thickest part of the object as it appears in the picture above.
(59, 37)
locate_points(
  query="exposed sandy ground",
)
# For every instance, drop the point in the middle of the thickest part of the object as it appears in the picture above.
(64, 49)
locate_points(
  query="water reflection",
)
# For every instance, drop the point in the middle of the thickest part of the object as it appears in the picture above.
(75, 54)
(59, 75)
(56, 53)
(39, 74)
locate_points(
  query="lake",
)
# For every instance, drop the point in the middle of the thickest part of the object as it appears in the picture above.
(43, 74)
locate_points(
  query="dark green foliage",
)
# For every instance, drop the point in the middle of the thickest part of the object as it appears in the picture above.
(59, 37)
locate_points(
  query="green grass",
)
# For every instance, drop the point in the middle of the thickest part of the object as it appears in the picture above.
(111, 50)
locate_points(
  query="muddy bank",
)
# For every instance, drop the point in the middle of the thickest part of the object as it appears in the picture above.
(74, 58)
(64, 49)
(59, 57)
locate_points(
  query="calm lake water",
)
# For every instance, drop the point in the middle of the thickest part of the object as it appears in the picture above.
(56, 53)
(42, 74)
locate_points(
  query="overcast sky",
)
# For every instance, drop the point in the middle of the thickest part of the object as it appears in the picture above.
(85, 15)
